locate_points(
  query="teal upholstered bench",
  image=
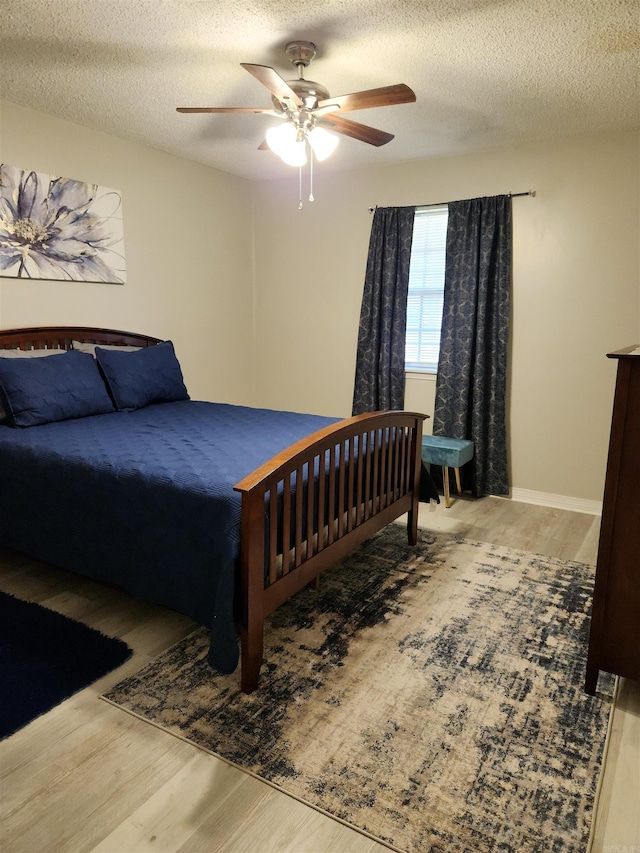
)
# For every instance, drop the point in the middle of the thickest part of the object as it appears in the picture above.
(449, 453)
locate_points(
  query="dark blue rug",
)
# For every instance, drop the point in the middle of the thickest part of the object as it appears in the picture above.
(46, 657)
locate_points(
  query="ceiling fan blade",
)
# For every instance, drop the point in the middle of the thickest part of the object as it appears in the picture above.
(356, 131)
(274, 83)
(386, 96)
(227, 110)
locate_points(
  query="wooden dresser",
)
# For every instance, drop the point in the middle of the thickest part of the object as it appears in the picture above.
(614, 642)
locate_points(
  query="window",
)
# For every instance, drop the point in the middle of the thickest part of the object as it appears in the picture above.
(426, 289)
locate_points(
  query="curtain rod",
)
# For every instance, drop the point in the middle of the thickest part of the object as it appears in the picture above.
(441, 203)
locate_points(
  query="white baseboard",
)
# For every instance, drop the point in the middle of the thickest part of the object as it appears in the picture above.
(528, 496)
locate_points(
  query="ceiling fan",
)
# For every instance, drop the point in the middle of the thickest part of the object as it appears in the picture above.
(307, 109)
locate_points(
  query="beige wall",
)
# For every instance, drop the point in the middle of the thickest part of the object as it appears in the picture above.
(576, 292)
(188, 249)
(263, 300)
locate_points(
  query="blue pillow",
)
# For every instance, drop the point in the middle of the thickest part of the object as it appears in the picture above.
(43, 390)
(138, 379)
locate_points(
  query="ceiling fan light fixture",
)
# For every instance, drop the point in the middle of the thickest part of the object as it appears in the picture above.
(302, 104)
(283, 141)
(322, 142)
(296, 155)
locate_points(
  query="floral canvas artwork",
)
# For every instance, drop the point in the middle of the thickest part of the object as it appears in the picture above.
(59, 229)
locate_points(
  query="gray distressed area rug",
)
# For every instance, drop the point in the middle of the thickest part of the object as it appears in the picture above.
(431, 697)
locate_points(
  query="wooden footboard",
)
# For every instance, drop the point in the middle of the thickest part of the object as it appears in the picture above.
(312, 504)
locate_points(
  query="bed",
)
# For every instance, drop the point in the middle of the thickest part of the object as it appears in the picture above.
(220, 512)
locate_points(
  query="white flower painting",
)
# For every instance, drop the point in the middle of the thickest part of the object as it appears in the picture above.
(59, 229)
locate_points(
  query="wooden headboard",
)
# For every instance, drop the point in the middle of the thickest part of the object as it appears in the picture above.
(60, 337)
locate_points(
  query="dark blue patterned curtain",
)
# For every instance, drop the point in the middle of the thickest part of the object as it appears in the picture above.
(471, 383)
(379, 382)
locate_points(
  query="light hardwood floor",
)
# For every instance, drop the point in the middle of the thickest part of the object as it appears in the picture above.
(89, 777)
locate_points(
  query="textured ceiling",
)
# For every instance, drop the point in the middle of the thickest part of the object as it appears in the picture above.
(486, 73)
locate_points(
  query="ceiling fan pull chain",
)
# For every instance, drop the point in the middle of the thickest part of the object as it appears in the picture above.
(300, 205)
(311, 198)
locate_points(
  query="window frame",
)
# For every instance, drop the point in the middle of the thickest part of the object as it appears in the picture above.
(426, 283)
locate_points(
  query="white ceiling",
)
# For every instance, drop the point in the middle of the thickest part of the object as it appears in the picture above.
(486, 73)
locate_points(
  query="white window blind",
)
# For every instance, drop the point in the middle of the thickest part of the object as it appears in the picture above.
(426, 288)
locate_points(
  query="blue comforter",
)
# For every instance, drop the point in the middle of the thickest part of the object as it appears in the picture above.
(145, 500)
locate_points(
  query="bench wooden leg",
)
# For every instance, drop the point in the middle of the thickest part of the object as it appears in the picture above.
(458, 484)
(445, 481)
(412, 526)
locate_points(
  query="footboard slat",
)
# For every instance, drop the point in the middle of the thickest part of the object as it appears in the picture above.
(341, 487)
(322, 482)
(300, 479)
(322, 497)
(391, 445)
(375, 506)
(311, 508)
(350, 485)
(286, 522)
(332, 494)
(368, 480)
(396, 472)
(383, 470)
(273, 534)
(359, 513)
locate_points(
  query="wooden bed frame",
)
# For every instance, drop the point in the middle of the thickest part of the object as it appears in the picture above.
(369, 465)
